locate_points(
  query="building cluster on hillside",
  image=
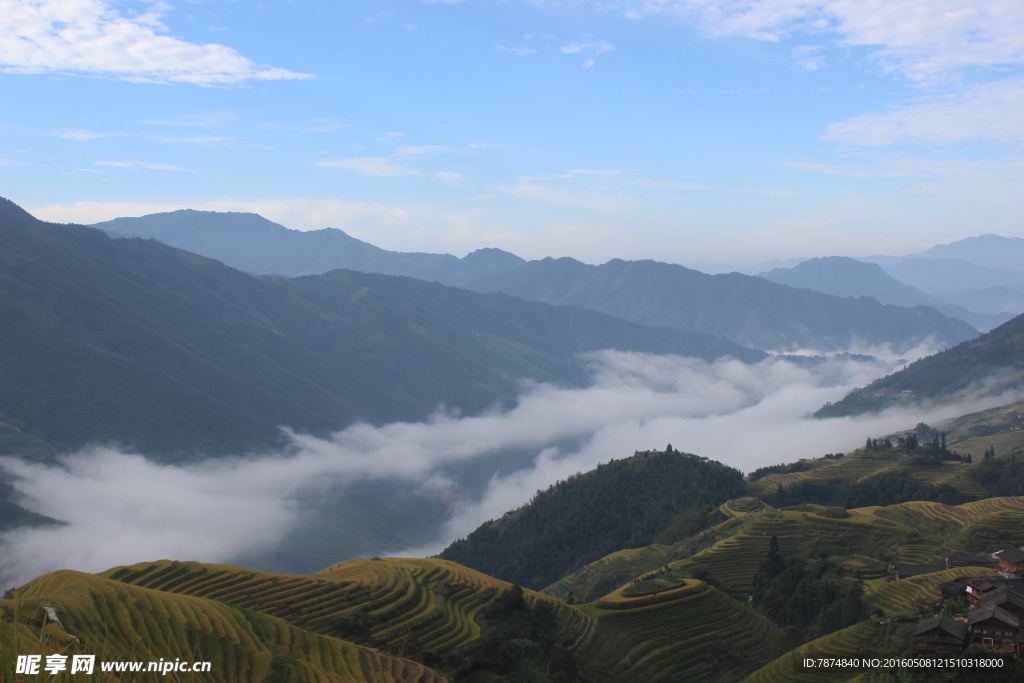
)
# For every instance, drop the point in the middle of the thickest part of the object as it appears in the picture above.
(995, 605)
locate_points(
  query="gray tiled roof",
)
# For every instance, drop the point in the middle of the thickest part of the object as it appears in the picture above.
(957, 629)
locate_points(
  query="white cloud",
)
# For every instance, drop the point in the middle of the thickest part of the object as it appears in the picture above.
(124, 509)
(142, 164)
(421, 150)
(988, 111)
(554, 191)
(79, 134)
(213, 119)
(448, 175)
(93, 37)
(195, 139)
(920, 39)
(377, 166)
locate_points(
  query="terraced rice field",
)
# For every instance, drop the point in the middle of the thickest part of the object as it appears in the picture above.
(403, 603)
(118, 621)
(859, 467)
(994, 531)
(1004, 443)
(845, 643)
(629, 597)
(735, 560)
(909, 596)
(594, 579)
(852, 467)
(703, 636)
(980, 508)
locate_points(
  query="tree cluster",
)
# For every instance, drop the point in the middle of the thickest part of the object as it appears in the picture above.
(810, 595)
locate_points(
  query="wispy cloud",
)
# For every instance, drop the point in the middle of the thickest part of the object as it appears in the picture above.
(213, 119)
(143, 164)
(553, 190)
(94, 37)
(375, 166)
(744, 415)
(421, 150)
(194, 139)
(988, 111)
(918, 39)
(79, 134)
(591, 49)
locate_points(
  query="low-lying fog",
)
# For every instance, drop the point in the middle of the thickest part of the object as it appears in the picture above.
(411, 488)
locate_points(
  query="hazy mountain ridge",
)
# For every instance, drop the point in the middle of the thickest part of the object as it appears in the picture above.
(996, 357)
(737, 307)
(846, 277)
(132, 340)
(733, 306)
(251, 243)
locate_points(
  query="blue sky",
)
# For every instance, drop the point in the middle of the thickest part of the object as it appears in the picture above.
(681, 130)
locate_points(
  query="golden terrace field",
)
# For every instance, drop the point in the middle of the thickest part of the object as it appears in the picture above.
(364, 620)
(117, 621)
(403, 603)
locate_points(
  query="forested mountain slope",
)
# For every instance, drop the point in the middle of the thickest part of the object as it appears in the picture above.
(625, 503)
(744, 309)
(134, 341)
(993, 362)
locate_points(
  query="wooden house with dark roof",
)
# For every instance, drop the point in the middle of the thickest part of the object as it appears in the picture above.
(1010, 562)
(993, 628)
(978, 587)
(940, 634)
(952, 589)
(1005, 598)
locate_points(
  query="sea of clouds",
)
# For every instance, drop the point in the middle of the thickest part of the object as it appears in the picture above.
(123, 508)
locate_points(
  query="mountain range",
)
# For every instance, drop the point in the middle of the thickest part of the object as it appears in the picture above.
(134, 341)
(743, 309)
(847, 277)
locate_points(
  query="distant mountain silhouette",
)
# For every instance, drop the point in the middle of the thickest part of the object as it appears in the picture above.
(251, 243)
(844, 276)
(991, 251)
(941, 276)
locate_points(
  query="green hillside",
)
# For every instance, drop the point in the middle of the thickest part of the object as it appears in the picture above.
(1001, 428)
(650, 497)
(866, 637)
(133, 341)
(993, 362)
(736, 599)
(853, 542)
(117, 621)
